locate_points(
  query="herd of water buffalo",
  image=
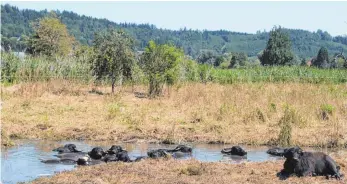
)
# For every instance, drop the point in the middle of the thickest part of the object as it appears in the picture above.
(298, 162)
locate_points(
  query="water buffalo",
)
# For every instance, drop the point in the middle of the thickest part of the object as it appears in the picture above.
(87, 161)
(67, 148)
(120, 156)
(115, 149)
(158, 153)
(140, 158)
(116, 153)
(303, 163)
(181, 148)
(58, 161)
(235, 150)
(71, 156)
(276, 151)
(96, 153)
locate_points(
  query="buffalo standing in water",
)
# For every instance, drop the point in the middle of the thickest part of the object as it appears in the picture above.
(235, 150)
(303, 163)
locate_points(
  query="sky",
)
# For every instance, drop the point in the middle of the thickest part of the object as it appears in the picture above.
(236, 16)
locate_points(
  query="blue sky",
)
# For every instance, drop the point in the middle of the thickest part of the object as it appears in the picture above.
(234, 16)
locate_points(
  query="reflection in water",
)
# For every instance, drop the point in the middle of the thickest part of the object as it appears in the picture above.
(22, 162)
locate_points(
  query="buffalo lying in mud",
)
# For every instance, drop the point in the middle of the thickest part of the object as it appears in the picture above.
(72, 157)
(96, 156)
(302, 163)
(88, 161)
(178, 152)
(235, 150)
(276, 151)
(67, 148)
(116, 153)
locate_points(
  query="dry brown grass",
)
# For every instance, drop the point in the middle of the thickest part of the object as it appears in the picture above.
(184, 171)
(237, 114)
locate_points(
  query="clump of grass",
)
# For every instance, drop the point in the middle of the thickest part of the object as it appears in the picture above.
(260, 115)
(255, 116)
(326, 111)
(289, 119)
(273, 107)
(170, 136)
(114, 109)
(192, 170)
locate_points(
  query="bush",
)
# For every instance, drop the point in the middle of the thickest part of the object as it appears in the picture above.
(326, 110)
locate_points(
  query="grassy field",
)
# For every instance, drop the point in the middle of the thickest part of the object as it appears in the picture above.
(241, 113)
(185, 171)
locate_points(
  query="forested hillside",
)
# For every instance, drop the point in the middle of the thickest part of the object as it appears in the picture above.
(15, 23)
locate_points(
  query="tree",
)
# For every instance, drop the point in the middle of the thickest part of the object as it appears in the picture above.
(219, 60)
(207, 57)
(238, 60)
(160, 62)
(303, 62)
(278, 49)
(114, 56)
(50, 37)
(322, 60)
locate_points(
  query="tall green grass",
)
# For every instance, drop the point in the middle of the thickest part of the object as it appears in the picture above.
(279, 74)
(31, 69)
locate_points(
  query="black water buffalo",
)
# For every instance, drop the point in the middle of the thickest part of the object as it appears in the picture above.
(123, 156)
(303, 163)
(115, 149)
(235, 150)
(120, 156)
(84, 161)
(178, 152)
(289, 164)
(58, 161)
(67, 148)
(158, 153)
(276, 151)
(96, 153)
(140, 158)
(116, 153)
(71, 156)
(181, 148)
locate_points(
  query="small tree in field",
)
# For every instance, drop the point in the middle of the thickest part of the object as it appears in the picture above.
(160, 62)
(50, 37)
(113, 55)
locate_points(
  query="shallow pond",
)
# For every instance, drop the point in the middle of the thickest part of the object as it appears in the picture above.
(22, 163)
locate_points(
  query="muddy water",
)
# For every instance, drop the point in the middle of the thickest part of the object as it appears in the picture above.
(22, 163)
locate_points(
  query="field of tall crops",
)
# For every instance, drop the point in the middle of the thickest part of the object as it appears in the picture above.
(32, 69)
(280, 74)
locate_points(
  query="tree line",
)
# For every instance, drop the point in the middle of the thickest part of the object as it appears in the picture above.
(112, 55)
(16, 27)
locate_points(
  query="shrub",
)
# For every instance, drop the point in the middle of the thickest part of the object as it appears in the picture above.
(326, 110)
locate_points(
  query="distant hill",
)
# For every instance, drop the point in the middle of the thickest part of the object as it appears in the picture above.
(16, 23)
